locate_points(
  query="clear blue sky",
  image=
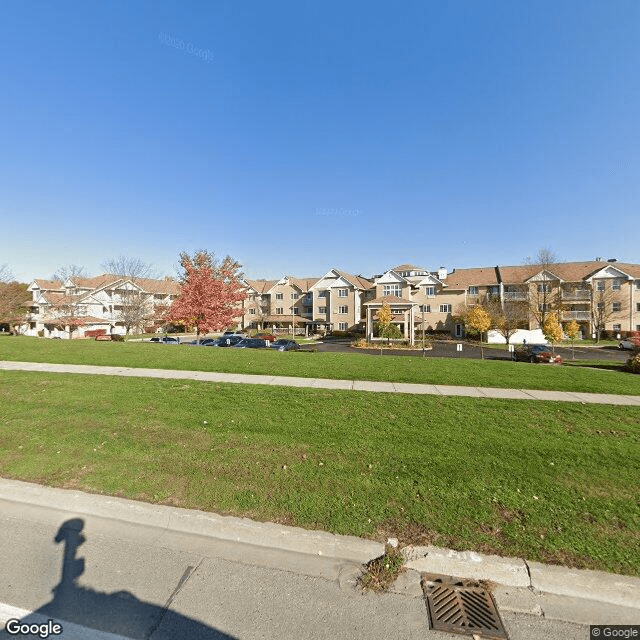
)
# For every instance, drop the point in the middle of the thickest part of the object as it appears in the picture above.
(299, 136)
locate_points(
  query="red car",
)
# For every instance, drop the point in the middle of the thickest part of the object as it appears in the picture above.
(266, 336)
(536, 353)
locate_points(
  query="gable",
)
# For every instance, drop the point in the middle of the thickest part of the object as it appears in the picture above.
(391, 277)
(609, 272)
(544, 276)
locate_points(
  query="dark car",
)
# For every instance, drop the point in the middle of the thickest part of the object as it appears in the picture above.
(205, 342)
(251, 343)
(227, 341)
(535, 353)
(285, 345)
(165, 340)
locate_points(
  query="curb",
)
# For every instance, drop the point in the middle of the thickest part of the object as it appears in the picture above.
(610, 588)
(190, 521)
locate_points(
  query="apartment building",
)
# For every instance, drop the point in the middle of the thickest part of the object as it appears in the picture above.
(599, 295)
(309, 305)
(107, 302)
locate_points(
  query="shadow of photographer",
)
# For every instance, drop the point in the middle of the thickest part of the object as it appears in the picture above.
(109, 616)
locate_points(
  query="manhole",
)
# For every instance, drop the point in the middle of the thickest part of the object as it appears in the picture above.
(461, 606)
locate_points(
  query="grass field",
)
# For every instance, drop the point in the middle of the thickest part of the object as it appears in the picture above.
(554, 482)
(356, 366)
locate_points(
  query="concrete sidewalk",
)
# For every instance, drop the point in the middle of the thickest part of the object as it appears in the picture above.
(324, 383)
(519, 586)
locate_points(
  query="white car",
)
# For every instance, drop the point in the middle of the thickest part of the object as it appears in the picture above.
(627, 343)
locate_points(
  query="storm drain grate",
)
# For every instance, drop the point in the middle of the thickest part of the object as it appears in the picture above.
(461, 606)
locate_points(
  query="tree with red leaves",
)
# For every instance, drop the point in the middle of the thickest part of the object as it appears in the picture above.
(211, 292)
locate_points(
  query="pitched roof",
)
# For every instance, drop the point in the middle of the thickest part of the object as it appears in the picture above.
(567, 271)
(47, 285)
(409, 267)
(304, 284)
(261, 286)
(463, 278)
(358, 281)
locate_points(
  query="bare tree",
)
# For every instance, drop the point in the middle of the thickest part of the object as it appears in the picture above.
(545, 299)
(133, 268)
(69, 271)
(608, 304)
(507, 318)
(136, 306)
(65, 311)
(5, 273)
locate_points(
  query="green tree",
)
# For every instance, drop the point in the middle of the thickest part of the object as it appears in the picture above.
(478, 319)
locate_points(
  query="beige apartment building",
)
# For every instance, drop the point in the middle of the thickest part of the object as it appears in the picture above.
(601, 296)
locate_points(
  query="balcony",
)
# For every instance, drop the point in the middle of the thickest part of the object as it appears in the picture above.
(576, 294)
(576, 315)
(516, 296)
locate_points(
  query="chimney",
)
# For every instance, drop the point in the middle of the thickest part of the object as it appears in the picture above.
(442, 273)
(598, 259)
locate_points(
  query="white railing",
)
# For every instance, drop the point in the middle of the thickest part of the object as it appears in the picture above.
(576, 294)
(515, 295)
(576, 315)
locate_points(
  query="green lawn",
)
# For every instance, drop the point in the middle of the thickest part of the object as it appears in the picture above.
(548, 481)
(350, 366)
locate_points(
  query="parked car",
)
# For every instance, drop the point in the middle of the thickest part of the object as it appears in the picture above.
(252, 343)
(285, 345)
(233, 333)
(227, 341)
(165, 340)
(535, 353)
(204, 342)
(627, 343)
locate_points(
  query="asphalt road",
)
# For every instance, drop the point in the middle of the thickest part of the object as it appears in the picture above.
(98, 577)
(446, 349)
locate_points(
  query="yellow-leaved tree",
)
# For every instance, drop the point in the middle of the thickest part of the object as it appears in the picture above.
(552, 328)
(478, 319)
(572, 330)
(384, 318)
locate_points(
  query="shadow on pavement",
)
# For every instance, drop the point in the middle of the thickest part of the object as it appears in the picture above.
(119, 613)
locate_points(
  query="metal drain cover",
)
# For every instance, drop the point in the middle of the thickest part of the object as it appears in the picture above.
(459, 605)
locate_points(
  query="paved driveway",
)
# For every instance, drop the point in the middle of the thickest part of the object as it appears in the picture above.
(446, 349)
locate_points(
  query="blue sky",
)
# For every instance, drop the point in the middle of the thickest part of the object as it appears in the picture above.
(299, 136)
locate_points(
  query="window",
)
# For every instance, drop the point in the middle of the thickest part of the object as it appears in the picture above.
(494, 291)
(474, 291)
(425, 308)
(307, 298)
(343, 326)
(392, 290)
(617, 327)
(637, 306)
(544, 287)
(323, 294)
(430, 292)
(322, 309)
(545, 306)
(445, 308)
(638, 285)
(638, 327)
(600, 306)
(343, 309)
(279, 296)
(617, 306)
(343, 293)
(296, 311)
(308, 309)
(616, 284)
(252, 312)
(279, 311)
(600, 286)
(295, 296)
